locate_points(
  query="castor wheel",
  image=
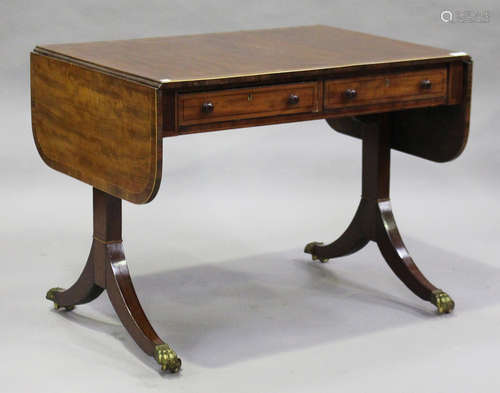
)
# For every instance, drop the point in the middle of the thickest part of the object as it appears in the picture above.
(167, 358)
(51, 295)
(442, 301)
(309, 249)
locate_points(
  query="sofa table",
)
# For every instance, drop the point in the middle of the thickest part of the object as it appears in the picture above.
(100, 111)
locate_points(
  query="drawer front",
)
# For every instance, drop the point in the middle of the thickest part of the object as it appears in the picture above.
(246, 103)
(386, 88)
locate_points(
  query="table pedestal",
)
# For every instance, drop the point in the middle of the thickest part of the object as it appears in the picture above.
(106, 268)
(374, 219)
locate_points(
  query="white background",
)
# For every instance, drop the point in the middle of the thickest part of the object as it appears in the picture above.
(217, 258)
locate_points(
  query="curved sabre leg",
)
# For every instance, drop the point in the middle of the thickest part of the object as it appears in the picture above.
(352, 240)
(374, 219)
(398, 258)
(124, 299)
(106, 268)
(84, 290)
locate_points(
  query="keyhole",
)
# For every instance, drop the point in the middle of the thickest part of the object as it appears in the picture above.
(387, 82)
(250, 97)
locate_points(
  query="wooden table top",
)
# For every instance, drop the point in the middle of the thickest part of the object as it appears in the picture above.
(211, 58)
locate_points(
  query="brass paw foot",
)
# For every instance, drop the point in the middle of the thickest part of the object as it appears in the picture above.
(167, 358)
(442, 301)
(309, 249)
(51, 295)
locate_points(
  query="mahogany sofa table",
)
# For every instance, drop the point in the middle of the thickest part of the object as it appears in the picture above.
(100, 111)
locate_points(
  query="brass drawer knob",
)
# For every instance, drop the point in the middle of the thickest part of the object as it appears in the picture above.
(207, 107)
(351, 93)
(293, 99)
(426, 84)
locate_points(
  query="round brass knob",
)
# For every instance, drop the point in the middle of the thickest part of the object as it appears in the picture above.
(426, 84)
(351, 93)
(293, 99)
(207, 107)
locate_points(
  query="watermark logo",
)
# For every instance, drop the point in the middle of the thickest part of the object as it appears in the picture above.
(465, 16)
(447, 16)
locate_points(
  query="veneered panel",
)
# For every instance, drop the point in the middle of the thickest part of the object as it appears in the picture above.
(97, 128)
(437, 133)
(182, 61)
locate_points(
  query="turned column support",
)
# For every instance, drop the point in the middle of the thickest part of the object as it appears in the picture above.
(374, 220)
(107, 268)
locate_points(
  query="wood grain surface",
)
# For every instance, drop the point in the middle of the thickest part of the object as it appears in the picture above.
(234, 104)
(385, 87)
(181, 61)
(100, 109)
(97, 128)
(436, 133)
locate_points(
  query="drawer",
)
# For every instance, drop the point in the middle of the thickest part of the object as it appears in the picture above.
(246, 103)
(386, 88)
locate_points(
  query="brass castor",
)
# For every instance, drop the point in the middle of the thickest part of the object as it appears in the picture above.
(51, 295)
(309, 249)
(167, 358)
(442, 301)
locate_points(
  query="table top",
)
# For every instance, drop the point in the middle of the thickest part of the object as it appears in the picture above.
(100, 109)
(219, 56)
